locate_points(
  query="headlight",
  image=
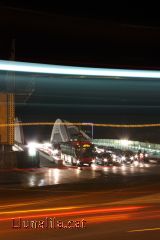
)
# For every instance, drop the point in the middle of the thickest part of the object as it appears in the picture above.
(93, 161)
(32, 148)
(105, 160)
(136, 163)
(123, 158)
(141, 155)
(32, 152)
(132, 158)
(146, 155)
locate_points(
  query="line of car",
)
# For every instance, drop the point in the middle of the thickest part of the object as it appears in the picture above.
(112, 156)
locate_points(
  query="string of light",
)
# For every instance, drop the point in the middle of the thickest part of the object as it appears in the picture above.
(82, 124)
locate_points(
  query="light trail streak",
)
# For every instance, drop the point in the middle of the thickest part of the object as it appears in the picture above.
(17, 205)
(132, 208)
(144, 230)
(14, 205)
(46, 212)
(38, 210)
(77, 71)
(107, 218)
(82, 124)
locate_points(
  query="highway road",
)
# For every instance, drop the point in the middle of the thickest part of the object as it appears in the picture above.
(98, 203)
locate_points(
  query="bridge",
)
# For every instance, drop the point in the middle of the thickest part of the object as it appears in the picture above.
(64, 131)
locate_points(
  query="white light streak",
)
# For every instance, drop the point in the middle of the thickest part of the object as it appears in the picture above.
(78, 71)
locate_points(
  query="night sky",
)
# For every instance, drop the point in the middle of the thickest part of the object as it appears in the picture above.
(87, 37)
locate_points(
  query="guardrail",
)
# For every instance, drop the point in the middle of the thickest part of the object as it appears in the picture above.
(128, 144)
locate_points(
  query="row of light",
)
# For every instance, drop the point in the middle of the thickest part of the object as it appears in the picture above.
(82, 124)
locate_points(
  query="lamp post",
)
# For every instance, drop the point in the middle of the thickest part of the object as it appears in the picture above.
(91, 124)
(92, 130)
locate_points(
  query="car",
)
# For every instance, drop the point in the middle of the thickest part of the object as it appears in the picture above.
(104, 159)
(128, 157)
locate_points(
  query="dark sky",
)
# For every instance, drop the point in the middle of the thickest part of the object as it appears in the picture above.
(85, 36)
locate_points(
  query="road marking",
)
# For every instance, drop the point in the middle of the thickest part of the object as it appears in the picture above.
(145, 229)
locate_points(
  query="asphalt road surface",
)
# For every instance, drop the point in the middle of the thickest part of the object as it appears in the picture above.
(92, 203)
(66, 175)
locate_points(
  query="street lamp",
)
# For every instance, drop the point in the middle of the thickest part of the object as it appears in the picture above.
(92, 130)
(91, 124)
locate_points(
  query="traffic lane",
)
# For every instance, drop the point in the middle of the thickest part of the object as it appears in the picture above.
(66, 175)
(117, 215)
(44, 176)
(69, 175)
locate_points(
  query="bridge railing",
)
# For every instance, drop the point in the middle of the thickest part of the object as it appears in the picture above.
(128, 144)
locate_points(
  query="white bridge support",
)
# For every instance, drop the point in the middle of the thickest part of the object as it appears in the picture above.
(59, 132)
(65, 133)
(18, 136)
